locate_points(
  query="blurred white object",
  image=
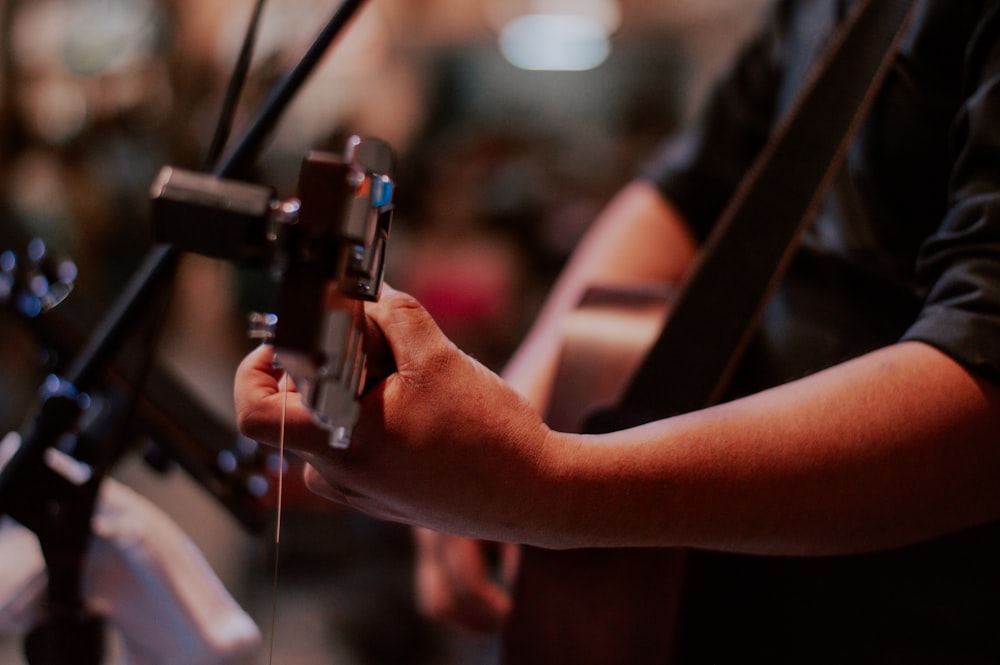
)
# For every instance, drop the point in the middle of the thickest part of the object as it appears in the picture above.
(143, 575)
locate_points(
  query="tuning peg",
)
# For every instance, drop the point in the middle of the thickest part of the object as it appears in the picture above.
(36, 284)
(262, 326)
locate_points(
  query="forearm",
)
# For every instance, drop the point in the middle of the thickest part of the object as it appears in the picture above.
(897, 446)
(894, 447)
(637, 238)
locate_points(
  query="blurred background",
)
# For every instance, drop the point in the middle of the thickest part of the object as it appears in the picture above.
(513, 122)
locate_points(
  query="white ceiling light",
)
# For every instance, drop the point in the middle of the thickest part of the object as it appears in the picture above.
(557, 35)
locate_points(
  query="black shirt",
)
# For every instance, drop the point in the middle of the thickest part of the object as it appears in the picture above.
(906, 246)
(916, 211)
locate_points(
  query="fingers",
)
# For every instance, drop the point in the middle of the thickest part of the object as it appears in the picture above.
(454, 585)
(321, 486)
(409, 332)
(402, 428)
(256, 384)
(264, 407)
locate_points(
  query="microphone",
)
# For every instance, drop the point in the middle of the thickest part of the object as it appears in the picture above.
(326, 248)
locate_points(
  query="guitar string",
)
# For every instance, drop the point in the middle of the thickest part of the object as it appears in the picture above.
(277, 526)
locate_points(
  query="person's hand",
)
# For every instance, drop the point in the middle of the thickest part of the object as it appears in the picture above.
(441, 442)
(458, 583)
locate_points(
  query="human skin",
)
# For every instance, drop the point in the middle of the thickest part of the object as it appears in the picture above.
(890, 448)
(884, 450)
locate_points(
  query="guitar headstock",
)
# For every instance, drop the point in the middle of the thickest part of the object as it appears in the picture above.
(35, 286)
(326, 248)
(34, 282)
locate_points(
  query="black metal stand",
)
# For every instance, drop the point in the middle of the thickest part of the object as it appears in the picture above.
(59, 510)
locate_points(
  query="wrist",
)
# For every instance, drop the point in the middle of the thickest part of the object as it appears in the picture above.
(558, 510)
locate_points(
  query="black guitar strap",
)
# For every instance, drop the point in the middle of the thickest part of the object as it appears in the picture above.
(716, 312)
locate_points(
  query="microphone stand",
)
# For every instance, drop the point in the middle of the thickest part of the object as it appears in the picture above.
(57, 509)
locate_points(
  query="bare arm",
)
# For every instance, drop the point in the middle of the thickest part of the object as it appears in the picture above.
(899, 445)
(894, 447)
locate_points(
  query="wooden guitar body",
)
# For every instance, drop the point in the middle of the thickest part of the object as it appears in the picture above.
(597, 606)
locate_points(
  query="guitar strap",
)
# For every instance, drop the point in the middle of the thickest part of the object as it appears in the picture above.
(714, 315)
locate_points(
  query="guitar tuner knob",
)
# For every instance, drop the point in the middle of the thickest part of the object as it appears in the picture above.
(262, 326)
(257, 485)
(8, 261)
(37, 284)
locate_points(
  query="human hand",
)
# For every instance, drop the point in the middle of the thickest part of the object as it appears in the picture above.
(441, 441)
(455, 582)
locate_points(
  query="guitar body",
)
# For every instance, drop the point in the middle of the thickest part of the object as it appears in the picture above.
(597, 606)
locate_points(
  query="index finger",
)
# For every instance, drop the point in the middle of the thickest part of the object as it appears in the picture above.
(261, 403)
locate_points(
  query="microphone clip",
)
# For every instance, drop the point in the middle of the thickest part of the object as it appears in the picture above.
(326, 249)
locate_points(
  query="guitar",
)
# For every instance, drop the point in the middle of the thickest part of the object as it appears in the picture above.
(597, 606)
(36, 287)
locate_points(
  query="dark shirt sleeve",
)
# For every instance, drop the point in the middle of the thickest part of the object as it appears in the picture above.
(959, 264)
(698, 170)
